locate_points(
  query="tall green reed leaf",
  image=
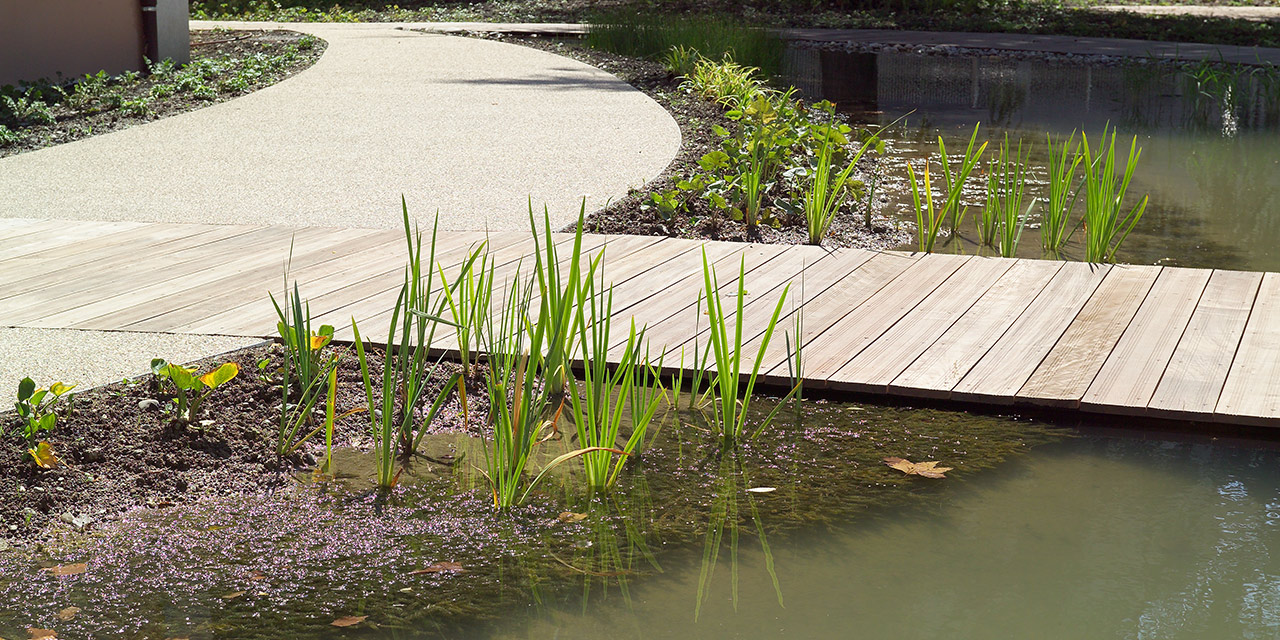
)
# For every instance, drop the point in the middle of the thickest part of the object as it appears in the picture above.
(1106, 224)
(1063, 191)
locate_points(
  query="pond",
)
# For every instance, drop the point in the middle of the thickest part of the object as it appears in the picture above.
(1209, 161)
(1040, 530)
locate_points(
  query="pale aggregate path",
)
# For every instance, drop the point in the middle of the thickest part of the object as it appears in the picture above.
(1258, 13)
(471, 128)
(91, 358)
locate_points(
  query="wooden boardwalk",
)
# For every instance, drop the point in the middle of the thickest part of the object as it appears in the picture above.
(1187, 344)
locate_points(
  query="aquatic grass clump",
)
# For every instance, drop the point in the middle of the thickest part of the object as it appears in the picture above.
(730, 397)
(1063, 191)
(1002, 219)
(825, 194)
(406, 372)
(598, 407)
(930, 216)
(644, 35)
(1106, 224)
(725, 82)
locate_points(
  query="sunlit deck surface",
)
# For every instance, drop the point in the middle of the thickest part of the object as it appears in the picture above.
(1163, 342)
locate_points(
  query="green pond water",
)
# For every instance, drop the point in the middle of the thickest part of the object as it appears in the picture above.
(1039, 531)
(1210, 154)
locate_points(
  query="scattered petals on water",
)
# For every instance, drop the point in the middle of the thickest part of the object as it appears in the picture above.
(928, 469)
(440, 567)
(762, 489)
(348, 621)
(68, 569)
(569, 516)
(68, 613)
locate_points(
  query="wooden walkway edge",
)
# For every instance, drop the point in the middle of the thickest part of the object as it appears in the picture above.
(1163, 342)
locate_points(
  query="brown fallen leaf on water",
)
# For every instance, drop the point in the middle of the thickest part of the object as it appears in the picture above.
(348, 621)
(68, 613)
(928, 469)
(233, 595)
(440, 567)
(39, 634)
(569, 516)
(68, 569)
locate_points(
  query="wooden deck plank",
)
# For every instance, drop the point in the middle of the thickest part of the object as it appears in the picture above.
(1069, 368)
(1251, 394)
(862, 325)
(182, 259)
(888, 355)
(1002, 371)
(1197, 371)
(190, 305)
(69, 272)
(940, 367)
(1131, 372)
(58, 235)
(314, 282)
(270, 247)
(849, 292)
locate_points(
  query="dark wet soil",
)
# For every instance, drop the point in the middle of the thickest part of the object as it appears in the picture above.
(122, 446)
(295, 52)
(696, 118)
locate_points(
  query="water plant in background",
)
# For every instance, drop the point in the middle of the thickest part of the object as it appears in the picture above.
(191, 391)
(731, 398)
(643, 35)
(824, 193)
(1063, 191)
(954, 181)
(725, 82)
(1002, 219)
(1106, 223)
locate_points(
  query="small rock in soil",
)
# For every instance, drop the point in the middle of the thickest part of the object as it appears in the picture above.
(148, 404)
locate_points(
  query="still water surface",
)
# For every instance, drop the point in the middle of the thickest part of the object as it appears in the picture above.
(1210, 147)
(1094, 537)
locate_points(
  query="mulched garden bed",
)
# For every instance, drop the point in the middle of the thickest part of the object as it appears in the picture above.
(696, 118)
(121, 447)
(224, 65)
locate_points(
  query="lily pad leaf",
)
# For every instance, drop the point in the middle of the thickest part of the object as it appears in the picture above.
(348, 621)
(928, 469)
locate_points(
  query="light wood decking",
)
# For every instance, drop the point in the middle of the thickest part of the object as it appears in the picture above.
(1188, 344)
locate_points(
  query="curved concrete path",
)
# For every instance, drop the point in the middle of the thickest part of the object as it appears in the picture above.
(471, 128)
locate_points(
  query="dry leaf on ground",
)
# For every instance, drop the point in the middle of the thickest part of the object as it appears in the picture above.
(440, 567)
(68, 569)
(348, 621)
(928, 469)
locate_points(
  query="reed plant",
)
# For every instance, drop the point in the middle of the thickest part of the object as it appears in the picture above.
(954, 181)
(598, 406)
(825, 194)
(468, 300)
(730, 393)
(1063, 192)
(1106, 223)
(307, 365)
(518, 383)
(928, 217)
(558, 292)
(1001, 223)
